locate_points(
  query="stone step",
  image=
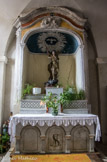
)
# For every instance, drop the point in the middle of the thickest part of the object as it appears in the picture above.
(75, 111)
(34, 97)
(32, 111)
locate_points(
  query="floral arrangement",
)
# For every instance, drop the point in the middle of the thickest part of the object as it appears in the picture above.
(53, 101)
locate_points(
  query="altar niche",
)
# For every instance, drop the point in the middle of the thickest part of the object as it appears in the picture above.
(46, 34)
(35, 69)
(64, 65)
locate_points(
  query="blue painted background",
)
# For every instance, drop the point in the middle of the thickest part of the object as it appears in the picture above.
(70, 46)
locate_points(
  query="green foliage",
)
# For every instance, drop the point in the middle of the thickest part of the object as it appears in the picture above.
(27, 90)
(5, 138)
(51, 101)
(4, 142)
(82, 95)
(1, 148)
(72, 95)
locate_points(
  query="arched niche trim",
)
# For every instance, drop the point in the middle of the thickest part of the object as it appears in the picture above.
(29, 139)
(63, 13)
(80, 138)
(20, 44)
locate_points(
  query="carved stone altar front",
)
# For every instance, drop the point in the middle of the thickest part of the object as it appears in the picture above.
(49, 134)
(55, 140)
(30, 140)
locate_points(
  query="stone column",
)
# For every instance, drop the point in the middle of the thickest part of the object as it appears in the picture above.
(91, 143)
(80, 72)
(17, 145)
(3, 62)
(43, 149)
(67, 143)
(18, 71)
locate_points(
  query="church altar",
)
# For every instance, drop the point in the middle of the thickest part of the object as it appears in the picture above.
(45, 133)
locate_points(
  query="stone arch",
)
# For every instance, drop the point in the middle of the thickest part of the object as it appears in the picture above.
(29, 139)
(79, 64)
(55, 139)
(61, 12)
(79, 53)
(21, 42)
(37, 30)
(80, 139)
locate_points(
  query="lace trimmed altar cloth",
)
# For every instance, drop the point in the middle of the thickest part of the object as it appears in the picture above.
(65, 119)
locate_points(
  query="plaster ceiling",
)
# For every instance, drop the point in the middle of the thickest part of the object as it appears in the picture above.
(11, 9)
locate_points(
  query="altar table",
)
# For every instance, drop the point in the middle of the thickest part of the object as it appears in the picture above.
(55, 134)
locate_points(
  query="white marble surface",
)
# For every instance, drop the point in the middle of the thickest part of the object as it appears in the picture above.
(49, 119)
(54, 90)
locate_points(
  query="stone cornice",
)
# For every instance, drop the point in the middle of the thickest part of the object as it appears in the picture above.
(3, 59)
(61, 12)
(101, 60)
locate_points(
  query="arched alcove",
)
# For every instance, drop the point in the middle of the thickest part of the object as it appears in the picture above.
(68, 45)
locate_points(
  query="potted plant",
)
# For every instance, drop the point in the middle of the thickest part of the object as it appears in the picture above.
(53, 102)
(27, 90)
(74, 99)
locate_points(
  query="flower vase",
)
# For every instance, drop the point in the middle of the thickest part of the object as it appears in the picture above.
(55, 112)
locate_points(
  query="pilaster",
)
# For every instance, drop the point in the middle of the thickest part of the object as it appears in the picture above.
(18, 71)
(85, 64)
(3, 62)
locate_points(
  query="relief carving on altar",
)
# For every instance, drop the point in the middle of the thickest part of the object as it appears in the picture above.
(29, 140)
(80, 139)
(55, 139)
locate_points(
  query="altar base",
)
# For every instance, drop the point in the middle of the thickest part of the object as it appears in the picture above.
(44, 133)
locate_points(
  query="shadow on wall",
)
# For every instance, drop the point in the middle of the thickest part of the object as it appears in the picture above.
(93, 72)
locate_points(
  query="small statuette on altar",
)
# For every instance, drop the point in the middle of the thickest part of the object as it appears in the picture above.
(36, 91)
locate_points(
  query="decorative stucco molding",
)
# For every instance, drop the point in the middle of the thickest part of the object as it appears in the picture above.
(3, 59)
(51, 22)
(59, 12)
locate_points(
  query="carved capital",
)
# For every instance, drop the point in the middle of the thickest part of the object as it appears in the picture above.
(68, 136)
(17, 137)
(101, 60)
(43, 137)
(91, 136)
(22, 45)
(3, 59)
(18, 32)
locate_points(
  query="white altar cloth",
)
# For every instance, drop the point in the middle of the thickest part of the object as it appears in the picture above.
(49, 119)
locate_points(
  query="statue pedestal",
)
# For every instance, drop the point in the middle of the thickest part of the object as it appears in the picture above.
(54, 90)
(57, 91)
